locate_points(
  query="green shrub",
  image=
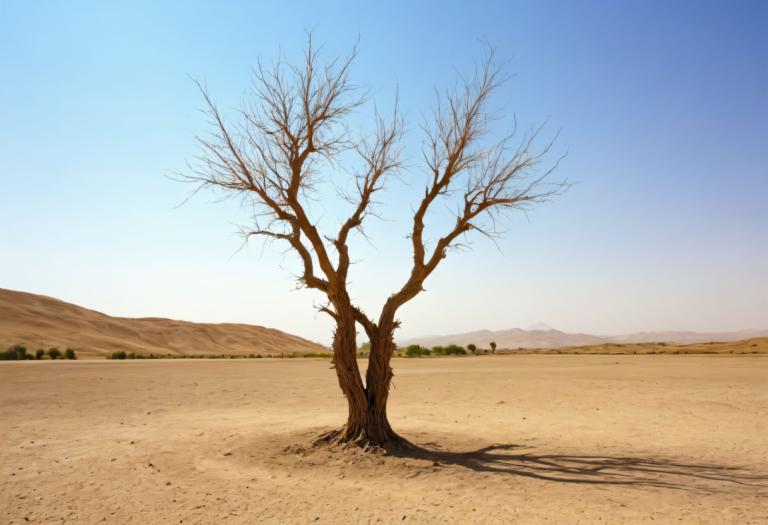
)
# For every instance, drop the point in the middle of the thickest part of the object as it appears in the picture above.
(21, 352)
(472, 348)
(455, 350)
(438, 350)
(40, 353)
(69, 353)
(54, 353)
(14, 353)
(120, 354)
(416, 351)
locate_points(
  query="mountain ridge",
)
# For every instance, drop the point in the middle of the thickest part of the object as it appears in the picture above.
(519, 338)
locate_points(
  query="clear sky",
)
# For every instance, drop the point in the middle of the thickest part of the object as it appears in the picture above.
(662, 107)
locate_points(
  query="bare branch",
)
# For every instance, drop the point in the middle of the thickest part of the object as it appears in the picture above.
(380, 158)
(497, 177)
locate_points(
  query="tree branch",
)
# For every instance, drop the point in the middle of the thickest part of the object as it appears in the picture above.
(498, 177)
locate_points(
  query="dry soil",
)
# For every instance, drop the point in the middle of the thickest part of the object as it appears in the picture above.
(529, 439)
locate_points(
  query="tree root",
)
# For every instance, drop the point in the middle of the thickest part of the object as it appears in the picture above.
(340, 439)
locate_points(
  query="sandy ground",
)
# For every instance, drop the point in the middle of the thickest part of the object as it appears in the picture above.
(529, 439)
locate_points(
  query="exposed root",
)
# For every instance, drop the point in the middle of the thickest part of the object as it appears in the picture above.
(340, 439)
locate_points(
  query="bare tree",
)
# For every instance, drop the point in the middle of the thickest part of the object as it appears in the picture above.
(273, 156)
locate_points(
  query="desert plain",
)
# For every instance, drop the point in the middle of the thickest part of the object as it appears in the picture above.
(506, 439)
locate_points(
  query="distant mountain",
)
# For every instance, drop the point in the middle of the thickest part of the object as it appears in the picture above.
(512, 338)
(686, 337)
(42, 322)
(547, 337)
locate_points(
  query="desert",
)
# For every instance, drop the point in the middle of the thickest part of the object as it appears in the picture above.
(527, 438)
(383, 263)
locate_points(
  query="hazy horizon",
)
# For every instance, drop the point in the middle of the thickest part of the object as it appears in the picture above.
(661, 109)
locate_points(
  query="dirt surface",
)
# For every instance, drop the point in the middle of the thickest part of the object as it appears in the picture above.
(530, 439)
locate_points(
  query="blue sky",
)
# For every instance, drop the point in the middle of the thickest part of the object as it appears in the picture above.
(662, 108)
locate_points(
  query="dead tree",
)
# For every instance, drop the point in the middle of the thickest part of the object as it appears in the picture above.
(273, 156)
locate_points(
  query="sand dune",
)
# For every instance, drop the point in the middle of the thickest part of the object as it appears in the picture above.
(40, 321)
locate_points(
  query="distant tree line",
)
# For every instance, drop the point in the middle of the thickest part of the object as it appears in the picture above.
(420, 351)
(19, 353)
(121, 354)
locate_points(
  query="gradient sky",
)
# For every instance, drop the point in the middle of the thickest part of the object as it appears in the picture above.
(662, 107)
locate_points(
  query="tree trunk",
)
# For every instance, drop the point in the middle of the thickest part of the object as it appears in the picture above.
(350, 381)
(367, 423)
(378, 378)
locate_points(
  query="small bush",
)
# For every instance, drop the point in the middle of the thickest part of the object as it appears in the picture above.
(455, 350)
(416, 351)
(14, 353)
(40, 353)
(118, 355)
(54, 353)
(472, 348)
(438, 350)
(69, 353)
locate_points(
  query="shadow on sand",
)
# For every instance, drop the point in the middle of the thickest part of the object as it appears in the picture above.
(508, 459)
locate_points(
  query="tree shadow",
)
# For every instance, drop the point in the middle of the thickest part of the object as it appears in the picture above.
(508, 459)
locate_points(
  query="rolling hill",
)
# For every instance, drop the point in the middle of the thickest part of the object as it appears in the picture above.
(42, 322)
(512, 338)
(550, 338)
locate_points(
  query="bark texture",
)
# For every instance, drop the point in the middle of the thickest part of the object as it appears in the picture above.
(367, 423)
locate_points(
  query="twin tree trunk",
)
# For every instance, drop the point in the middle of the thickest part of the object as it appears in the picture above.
(367, 422)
